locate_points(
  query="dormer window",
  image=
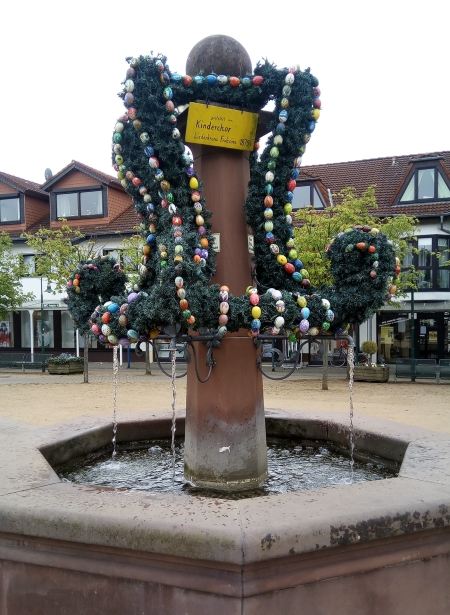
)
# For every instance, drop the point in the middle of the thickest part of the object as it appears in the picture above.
(305, 195)
(84, 203)
(425, 183)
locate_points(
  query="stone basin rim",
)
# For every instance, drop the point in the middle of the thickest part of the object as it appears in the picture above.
(39, 505)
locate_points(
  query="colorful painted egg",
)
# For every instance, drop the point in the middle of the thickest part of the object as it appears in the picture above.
(330, 316)
(254, 298)
(288, 219)
(129, 175)
(258, 80)
(269, 177)
(223, 319)
(280, 306)
(276, 294)
(325, 326)
(187, 80)
(117, 137)
(350, 247)
(129, 99)
(199, 79)
(132, 113)
(283, 116)
(274, 248)
(159, 175)
(268, 213)
(167, 93)
(176, 133)
(304, 326)
(274, 152)
(123, 308)
(222, 331)
(193, 183)
(284, 103)
(281, 259)
(289, 79)
(179, 282)
(119, 127)
(281, 128)
(177, 221)
(292, 254)
(305, 312)
(201, 230)
(113, 307)
(298, 161)
(286, 91)
(278, 140)
(113, 339)
(198, 207)
(195, 196)
(270, 237)
(256, 312)
(132, 334)
(224, 307)
(268, 188)
(118, 159)
(268, 201)
(289, 196)
(136, 181)
(129, 85)
(290, 243)
(372, 249)
(373, 273)
(223, 296)
(291, 185)
(106, 317)
(268, 226)
(117, 148)
(234, 81)
(246, 82)
(289, 268)
(222, 79)
(306, 283)
(176, 77)
(144, 137)
(186, 159)
(326, 304)
(301, 301)
(106, 330)
(255, 324)
(313, 331)
(287, 208)
(132, 297)
(199, 220)
(181, 293)
(315, 114)
(211, 79)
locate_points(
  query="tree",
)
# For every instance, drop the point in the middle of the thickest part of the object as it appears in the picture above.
(11, 270)
(318, 229)
(58, 253)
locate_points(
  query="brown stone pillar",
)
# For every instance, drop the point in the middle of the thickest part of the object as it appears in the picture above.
(228, 410)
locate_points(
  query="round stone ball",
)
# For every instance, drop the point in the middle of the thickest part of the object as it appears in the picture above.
(219, 54)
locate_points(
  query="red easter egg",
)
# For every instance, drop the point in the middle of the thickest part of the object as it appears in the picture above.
(317, 103)
(184, 304)
(291, 185)
(187, 80)
(397, 270)
(136, 181)
(268, 201)
(254, 298)
(372, 249)
(257, 80)
(316, 92)
(106, 317)
(132, 113)
(176, 221)
(289, 268)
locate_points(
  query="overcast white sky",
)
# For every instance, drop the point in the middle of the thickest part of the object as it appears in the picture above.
(382, 67)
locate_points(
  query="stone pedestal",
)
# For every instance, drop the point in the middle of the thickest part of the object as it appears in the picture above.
(227, 412)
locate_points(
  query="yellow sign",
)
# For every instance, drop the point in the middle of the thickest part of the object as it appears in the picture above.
(221, 127)
(387, 335)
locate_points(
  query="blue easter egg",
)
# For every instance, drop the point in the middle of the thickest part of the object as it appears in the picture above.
(311, 126)
(297, 276)
(159, 175)
(199, 79)
(268, 189)
(113, 307)
(270, 237)
(176, 77)
(151, 239)
(281, 128)
(150, 207)
(295, 173)
(256, 323)
(298, 264)
(283, 116)
(149, 150)
(305, 312)
(211, 79)
(168, 94)
(289, 196)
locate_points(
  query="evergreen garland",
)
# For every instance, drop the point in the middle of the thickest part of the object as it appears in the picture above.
(178, 260)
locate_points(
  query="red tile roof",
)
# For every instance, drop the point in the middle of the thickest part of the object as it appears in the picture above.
(21, 184)
(84, 168)
(387, 174)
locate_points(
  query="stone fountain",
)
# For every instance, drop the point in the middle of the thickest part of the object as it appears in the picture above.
(376, 547)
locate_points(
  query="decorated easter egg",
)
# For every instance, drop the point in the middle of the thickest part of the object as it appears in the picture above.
(106, 330)
(222, 79)
(113, 307)
(224, 307)
(254, 298)
(273, 247)
(361, 245)
(223, 296)
(211, 79)
(113, 339)
(289, 268)
(255, 324)
(276, 294)
(129, 99)
(235, 81)
(168, 94)
(289, 79)
(268, 226)
(301, 302)
(222, 331)
(282, 259)
(277, 140)
(268, 189)
(270, 237)
(274, 152)
(330, 315)
(287, 208)
(298, 161)
(305, 312)
(304, 326)
(279, 322)
(176, 133)
(106, 317)
(313, 331)
(199, 79)
(268, 213)
(223, 319)
(280, 306)
(179, 282)
(195, 196)
(268, 201)
(132, 297)
(132, 334)
(284, 103)
(283, 116)
(95, 329)
(325, 326)
(258, 80)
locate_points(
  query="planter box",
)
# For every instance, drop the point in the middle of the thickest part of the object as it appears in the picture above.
(371, 374)
(66, 368)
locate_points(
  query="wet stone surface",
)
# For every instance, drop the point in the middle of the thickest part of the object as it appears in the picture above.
(148, 466)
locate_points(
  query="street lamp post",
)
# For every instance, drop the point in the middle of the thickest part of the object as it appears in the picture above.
(47, 290)
(412, 329)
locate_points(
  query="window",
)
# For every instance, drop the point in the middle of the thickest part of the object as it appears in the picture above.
(425, 184)
(82, 204)
(305, 195)
(10, 209)
(29, 263)
(432, 260)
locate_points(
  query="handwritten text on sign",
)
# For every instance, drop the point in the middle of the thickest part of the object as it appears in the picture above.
(221, 127)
